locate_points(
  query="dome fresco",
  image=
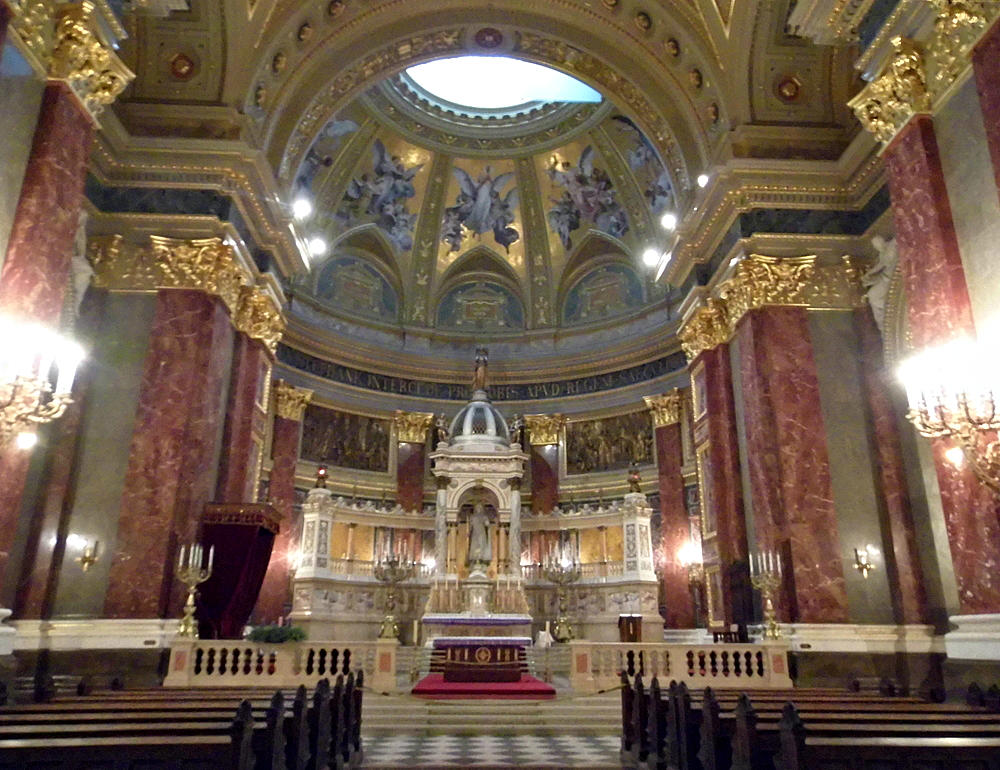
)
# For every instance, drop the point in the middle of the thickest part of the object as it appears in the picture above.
(527, 219)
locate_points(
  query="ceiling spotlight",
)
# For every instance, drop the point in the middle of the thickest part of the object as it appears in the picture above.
(317, 247)
(702, 180)
(302, 208)
(26, 440)
(669, 220)
(650, 257)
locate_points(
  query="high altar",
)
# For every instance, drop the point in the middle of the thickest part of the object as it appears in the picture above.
(479, 569)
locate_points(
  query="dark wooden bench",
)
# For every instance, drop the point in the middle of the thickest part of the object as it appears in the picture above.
(674, 730)
(119, 731)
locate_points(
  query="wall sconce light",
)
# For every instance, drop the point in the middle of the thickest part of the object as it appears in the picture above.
(863, 560)
(950, 392)
(90, 555)
(690, 557)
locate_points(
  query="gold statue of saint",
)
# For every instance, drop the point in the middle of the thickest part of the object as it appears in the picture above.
(479, 375)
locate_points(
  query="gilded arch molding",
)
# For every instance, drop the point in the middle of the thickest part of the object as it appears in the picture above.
(562, 34)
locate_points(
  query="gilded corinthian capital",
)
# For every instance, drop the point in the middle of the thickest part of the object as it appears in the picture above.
(290, 402)
(412, 427)
(85, 59)
(888, 102)
(666, 409)
(544, 428)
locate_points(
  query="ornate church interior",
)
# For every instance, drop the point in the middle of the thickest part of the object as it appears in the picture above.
(499, 352)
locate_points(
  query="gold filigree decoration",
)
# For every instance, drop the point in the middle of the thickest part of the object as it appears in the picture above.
(259, 317)
(707, 328)
(666, 408)
(32, 23)
(544, 428)
(888, 102)
(412, 427)
(85, 60)
(761, 281)
(203, 264)
(290, 402)
(958, 25)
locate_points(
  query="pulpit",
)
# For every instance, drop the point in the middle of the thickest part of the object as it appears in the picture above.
(242, 535)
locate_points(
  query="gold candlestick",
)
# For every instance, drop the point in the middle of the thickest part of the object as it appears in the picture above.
(765, 574)
(392, 571)
(192, 574)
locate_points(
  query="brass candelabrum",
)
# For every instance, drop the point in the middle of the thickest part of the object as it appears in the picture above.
(765, 575)
(392, 571)
(192, 572)
(562, 572)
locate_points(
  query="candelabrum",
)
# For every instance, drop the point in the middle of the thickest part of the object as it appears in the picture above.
(562, 572)
(392, 571)
(950, 393)
(765, 575)
(28, 396)
(192, 572)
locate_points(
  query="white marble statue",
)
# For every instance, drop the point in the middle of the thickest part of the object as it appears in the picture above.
(480, 548)
(876, 281)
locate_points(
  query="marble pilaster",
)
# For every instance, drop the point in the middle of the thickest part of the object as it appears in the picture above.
(275, 593)
(544, 478)
(514, 533)
(986, 68)
(675, 528)
(788, 463)
(441, 529)
(410, 462)
(939, 309)
(174, 451)
(243, 436)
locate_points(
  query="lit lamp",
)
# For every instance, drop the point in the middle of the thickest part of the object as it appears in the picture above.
(689, 556)
(29, 394)
(950, 393)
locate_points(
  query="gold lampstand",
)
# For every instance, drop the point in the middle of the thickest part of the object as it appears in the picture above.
(562, 572)
(765, 575)
(392, 571)
(26, 402)
(192, 574)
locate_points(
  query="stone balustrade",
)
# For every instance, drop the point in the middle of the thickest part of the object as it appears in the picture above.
(596, 665)
(241, 663)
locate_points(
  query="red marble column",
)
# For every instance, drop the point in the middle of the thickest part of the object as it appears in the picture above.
(243, 436)
(275, 593)
(986, 66)
(410, 463)
(938, 309)
(675, 529)
(174, 451)
(544, 477)
(902, 559)
(36, 270)
(5, 15)
(788, 464)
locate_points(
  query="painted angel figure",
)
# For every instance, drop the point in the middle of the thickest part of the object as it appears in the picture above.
(480, 208)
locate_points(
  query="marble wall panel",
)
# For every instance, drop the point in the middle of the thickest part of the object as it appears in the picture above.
(789, 466)
(20, 98)
(986, 68)
(174, 451)
(971, 179)
(34, 276)
(675, 527)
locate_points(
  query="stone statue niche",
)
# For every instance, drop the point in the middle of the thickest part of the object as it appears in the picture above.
(479, 555)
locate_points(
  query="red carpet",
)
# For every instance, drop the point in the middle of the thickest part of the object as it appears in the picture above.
(529, 688)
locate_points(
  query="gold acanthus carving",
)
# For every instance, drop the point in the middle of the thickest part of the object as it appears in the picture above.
(32, 23)
(412, 427)
(888, 102)
(290, 402)
(666, 408)
(544, 428)
(84, 59)
(202, 264)
(916, 76)
(759, 281)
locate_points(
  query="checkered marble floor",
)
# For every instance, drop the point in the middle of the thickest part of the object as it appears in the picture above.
(491, 751)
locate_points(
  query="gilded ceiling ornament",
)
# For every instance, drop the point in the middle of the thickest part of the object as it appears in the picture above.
(412, 427)
(305, 32)
(696, 78)
(290, 402)
(889, 101)
(672, 47)
(335, 8)
(82, 57)
(666, 409)
(643, 21)
(279, 62)
(544, 428)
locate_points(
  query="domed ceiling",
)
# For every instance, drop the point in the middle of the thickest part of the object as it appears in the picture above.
(482, 220)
